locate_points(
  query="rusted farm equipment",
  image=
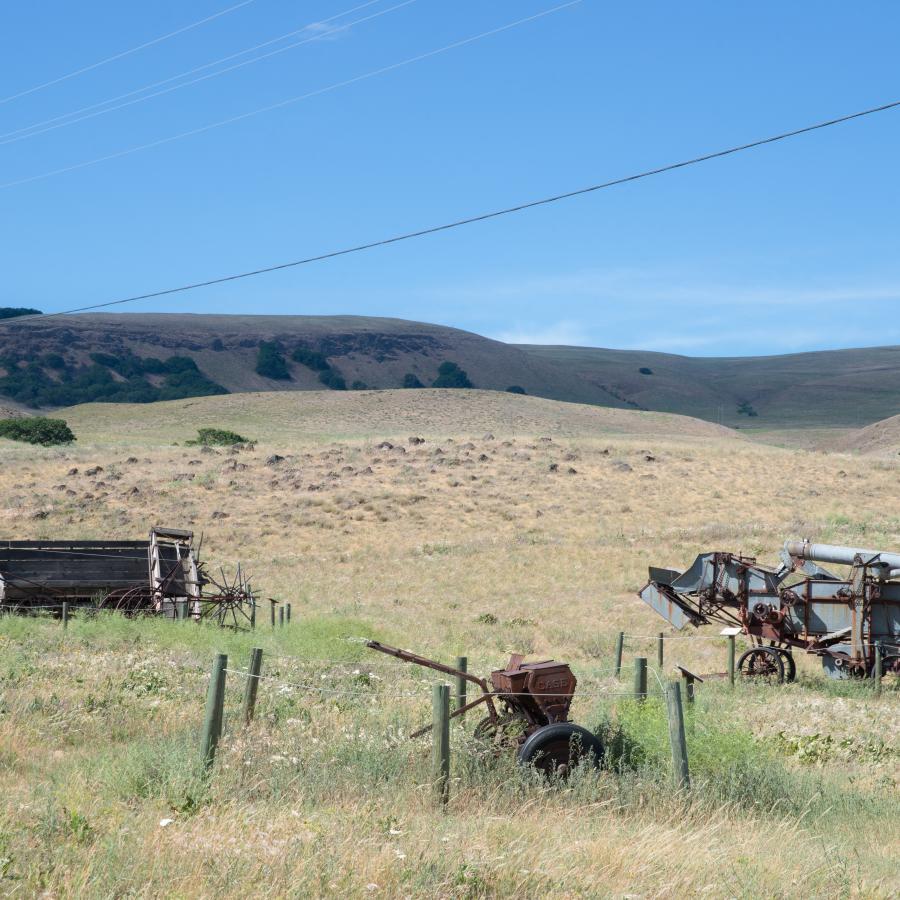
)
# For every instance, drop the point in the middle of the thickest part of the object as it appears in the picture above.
(798, 605)
(159, 576)
(527, 706)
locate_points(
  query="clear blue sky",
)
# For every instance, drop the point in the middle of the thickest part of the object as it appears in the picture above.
(790, 247)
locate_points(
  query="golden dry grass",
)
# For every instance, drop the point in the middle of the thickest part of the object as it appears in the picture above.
(421, 544)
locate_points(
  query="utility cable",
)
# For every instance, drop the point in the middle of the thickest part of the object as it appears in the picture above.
(545, 201)
(94, 110)
(124, 53)
(290, 100)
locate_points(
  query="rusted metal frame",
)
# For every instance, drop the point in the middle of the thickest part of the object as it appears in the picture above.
(484, 698)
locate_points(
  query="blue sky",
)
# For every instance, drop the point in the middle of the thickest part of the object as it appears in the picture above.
(789, 247)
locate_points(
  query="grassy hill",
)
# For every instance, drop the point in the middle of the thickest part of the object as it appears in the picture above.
(143, 357)
(462, 544)
(878, 439)
(328, 415)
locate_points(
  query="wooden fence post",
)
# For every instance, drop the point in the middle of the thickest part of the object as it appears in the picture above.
(272, 609)
(640, 678)
(253, 614)
(462, 663)
(620, 644)
(440, 759)
(215, 706)
(287, 615)
(676, 736)
(660, 638)
(731, 659)
(65, 615)
(281, 617)
(252, 685)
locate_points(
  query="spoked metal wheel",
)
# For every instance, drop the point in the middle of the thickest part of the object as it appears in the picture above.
(762, 664)
(228, 603)
(137, 601)
(501, 734)
(790, 666)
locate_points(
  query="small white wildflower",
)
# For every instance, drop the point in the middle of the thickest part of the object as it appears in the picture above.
(371, 886)
(395, 831)
(400, 854)
(165, 823)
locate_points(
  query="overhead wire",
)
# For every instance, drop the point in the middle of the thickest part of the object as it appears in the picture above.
(290, 100)
(469, 220)
(124, 53)
(36, 129)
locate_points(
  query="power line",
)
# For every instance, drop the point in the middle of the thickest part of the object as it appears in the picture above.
(290, 100)
(94, 109)
(482, 217)
(124, 53)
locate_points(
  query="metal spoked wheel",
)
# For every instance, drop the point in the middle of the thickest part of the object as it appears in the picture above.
(790, 665)
(762, 664)
(137, 601)
(500, 734)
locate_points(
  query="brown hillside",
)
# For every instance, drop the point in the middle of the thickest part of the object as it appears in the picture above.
(879, 438)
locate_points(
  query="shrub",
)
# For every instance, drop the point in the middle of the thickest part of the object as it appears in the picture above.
(312, 359)
(219, 436)
(412, 381)
(515, 389)
(37, 431)
(333, 379)
(645, 370)
(217, 345)
(359, 386)
(270, 362)
(10, 312)
(450, 375)
(53, 361)
(745, 408)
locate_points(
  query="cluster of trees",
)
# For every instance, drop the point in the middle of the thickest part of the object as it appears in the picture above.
(30, 384)
(272, 363)
(10, 312)
(450, 375)
(37, 430)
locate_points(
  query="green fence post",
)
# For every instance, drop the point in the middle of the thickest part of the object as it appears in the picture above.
(440, 759)
(215, 706)
(640, 678)
(620, 644)
(65, 616)
(252, 685)
(287, 615)
(731, 659)
(462, 663)
(281, 617)
(272, 610)
(252, 614)
(676, 735)
(659, 649)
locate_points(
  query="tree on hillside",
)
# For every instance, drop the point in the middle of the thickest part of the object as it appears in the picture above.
(450, 375)
(515, 389)
(412, 381)
(270, 362)
(10, 312)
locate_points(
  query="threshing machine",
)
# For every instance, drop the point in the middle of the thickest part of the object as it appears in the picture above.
(841, 618)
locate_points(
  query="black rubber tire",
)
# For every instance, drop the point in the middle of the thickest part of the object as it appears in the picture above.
(554, 749)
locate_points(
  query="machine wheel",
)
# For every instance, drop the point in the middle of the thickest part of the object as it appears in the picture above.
(790, 666)
(762, 664)
(555, 749)
(501, 734)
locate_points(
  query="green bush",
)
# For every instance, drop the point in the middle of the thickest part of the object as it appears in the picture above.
(450, 375)
(745, 408)
(645, 370)
(333, 379)
(10, 312)
(359, 386)
(270, 362)
(37, 431)
(220, 436)
(515, 389)
(412, 381)
(312, 359)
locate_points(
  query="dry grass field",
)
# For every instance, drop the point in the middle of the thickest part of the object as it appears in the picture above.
(517, 525)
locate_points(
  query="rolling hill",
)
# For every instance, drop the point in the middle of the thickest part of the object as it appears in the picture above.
(60, 361)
